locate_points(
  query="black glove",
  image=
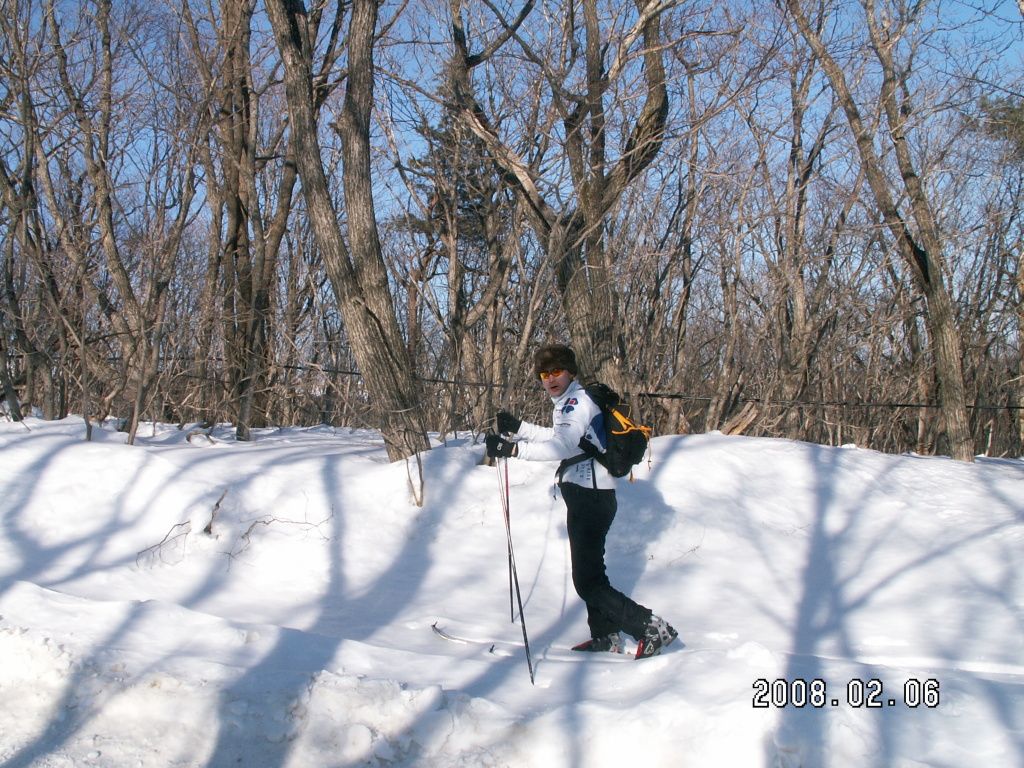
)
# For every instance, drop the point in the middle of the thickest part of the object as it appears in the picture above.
(499, 448)
(507, 423)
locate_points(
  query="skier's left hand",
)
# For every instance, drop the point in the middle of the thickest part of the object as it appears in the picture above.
(507, 423)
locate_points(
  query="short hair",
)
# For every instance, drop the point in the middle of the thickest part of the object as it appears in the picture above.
(554, 356)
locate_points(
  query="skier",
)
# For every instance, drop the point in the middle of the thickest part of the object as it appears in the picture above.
(588, 490)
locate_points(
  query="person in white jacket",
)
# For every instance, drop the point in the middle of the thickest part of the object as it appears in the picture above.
(588, 490)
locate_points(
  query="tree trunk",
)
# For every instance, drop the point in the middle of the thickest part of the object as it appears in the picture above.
(573, 239)
(922, 254)
(359, 277)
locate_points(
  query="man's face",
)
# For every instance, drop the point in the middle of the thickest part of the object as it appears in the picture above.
(555, 381)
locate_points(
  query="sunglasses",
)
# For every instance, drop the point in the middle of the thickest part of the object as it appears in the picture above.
(556, 372)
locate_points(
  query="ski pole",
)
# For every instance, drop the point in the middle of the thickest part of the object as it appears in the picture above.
(503, 493)
(513, 573)
(503, 489)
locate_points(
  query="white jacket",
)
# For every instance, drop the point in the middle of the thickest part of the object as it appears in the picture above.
(575, 416)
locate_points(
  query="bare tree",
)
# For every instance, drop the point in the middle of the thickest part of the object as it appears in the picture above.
(682, 204)
(915, 232)
(356, 267)
(93, 243)
(1002, 247)
(573, 236)
(246, 255)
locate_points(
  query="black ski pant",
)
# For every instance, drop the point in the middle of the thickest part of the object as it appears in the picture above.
(589, 516)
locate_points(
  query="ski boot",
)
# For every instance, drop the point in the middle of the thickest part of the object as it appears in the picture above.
(659, 633)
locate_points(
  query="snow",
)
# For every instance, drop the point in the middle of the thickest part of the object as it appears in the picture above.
(192, 601)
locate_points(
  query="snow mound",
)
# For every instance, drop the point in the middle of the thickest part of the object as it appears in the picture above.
(192, 601)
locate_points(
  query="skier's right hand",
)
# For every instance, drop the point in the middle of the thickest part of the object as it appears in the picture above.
(507, 423)
(498, 447)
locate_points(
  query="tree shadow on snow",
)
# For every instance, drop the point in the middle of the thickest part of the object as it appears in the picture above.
(836, 602)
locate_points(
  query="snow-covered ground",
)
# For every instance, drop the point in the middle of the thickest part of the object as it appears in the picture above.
(191, 601)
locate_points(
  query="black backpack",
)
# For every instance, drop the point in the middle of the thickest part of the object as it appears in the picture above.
(626, 441)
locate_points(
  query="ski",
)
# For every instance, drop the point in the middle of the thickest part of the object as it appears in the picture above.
(446, 635)
(513, 648)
